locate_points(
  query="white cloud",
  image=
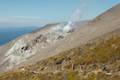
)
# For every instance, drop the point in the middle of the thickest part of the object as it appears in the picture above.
(23, 21)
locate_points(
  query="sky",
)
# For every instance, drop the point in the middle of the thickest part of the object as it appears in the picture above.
(38, 12)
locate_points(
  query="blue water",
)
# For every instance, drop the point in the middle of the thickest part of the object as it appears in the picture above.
(9, 33)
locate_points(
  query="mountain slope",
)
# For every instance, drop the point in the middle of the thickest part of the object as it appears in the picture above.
(98, 59)
(52, 40)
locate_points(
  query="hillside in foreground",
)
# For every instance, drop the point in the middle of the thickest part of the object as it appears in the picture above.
(97, 60)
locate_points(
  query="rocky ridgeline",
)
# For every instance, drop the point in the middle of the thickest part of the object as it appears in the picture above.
(23, 49)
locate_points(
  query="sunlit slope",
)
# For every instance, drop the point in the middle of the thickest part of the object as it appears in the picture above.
(98, 59)
(52, 40)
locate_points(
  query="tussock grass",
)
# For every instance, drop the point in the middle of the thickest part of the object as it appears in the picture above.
(76, 64)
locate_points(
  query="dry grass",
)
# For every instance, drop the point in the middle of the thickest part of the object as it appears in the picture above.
(76, 64)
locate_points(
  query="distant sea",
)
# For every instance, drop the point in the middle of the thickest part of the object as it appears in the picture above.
(9, 33)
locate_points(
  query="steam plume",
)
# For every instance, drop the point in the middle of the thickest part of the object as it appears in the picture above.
(77, 15)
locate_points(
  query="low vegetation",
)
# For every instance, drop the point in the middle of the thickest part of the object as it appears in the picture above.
(97, 60)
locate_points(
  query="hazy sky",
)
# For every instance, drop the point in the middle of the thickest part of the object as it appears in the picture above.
(36, 12)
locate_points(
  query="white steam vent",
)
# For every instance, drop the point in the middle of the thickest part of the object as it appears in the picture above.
(68, 27)
(76, 17)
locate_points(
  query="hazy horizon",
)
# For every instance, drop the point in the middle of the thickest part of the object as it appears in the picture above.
(37, 12)
(18, 17)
